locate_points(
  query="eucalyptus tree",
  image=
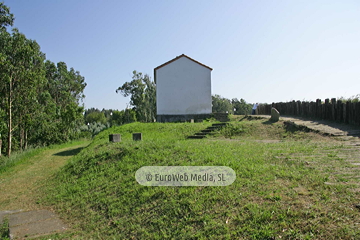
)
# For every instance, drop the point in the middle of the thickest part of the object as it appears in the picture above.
(39, 101)
(20, 74)
(142, 92)
(65, 88)
(6, 18)
(32, 86)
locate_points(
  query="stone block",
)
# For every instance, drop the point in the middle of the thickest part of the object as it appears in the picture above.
(192, 120)
(137, 136)
(275, 115)
(114, 138)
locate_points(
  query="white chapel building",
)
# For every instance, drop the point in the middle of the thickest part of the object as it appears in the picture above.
(183, 90)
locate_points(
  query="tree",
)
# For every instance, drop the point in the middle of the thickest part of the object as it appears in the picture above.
(143, 96)
(117, 118)
(6, 18)
(2, 127)
(241, 107)
(107, 112)
(221, 105)
(66, 89)
(20, 73)
(129, 116)
(39, 101)
(95, 117)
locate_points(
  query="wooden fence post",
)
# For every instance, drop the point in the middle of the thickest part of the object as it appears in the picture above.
(333, 109)
(346, 112)
(298, 108)
(352, 113)
(339, 111)
(312, 109)
(293, 107)
(318, 108)
(357, 114)
(327, 107)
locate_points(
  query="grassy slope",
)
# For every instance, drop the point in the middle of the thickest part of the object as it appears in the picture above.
(276, 193)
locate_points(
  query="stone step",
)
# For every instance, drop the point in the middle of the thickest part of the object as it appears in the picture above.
(207, 130)
(219, 124)
(196, 136)
(201, 133)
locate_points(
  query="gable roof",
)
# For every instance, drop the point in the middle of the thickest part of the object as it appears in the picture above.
(182, 55)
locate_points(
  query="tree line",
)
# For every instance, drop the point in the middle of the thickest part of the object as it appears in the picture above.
(96, 120)
(39, 100)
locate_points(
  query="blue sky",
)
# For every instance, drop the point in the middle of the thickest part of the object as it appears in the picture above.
(261, 51)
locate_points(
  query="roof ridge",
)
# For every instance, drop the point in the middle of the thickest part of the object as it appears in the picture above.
(178, 57)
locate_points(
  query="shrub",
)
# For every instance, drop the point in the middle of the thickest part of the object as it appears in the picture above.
(231, 130)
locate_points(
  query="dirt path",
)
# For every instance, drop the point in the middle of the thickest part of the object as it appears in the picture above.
(20, 191)
(20, 186)
(343, 131)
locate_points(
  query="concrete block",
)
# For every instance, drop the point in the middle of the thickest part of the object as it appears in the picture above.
(114, 138)
(137, 136)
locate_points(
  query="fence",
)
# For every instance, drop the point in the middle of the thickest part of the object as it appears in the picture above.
(339, 111)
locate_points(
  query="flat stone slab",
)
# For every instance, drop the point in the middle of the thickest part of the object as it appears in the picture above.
(37, 228)
(29, 217)
(267, 141)
(33, 223)
(6, 213)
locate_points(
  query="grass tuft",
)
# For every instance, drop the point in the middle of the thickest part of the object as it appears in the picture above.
(17, 158)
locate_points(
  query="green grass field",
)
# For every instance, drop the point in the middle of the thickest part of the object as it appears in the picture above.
(280, 191)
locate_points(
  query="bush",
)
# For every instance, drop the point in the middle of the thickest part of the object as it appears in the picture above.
(355, 98)
(4, 229)
(231, 130)
(91, 130)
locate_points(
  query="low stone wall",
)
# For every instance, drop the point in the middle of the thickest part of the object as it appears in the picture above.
(182, 118)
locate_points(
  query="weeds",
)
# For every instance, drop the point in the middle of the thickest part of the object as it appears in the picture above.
(4, 230)
(17, 158)
(231, 130)
(355, 98)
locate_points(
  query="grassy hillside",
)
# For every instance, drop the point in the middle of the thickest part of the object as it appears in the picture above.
(279, 191)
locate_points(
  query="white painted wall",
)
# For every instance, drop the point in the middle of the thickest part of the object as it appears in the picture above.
(183, 87)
